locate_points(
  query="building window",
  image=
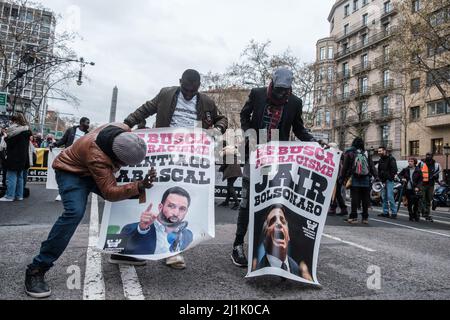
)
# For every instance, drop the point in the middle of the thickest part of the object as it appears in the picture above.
(330, 53)
(415, 114)
(437, 146)
(327, 118)
(386, 77)
(363, 110)
(384, 135)
(415, 85)
(438, 76)
(323, 53)
(387, 7)
(365, 39)
(319, 118)
(365, 19)
(438, 108)
(414, 148)
(355, 5)
(364, 84)
(386, 52)
(345, 70)
(385, 105)
(415, 5)
(365, 2)
(365, 61)
(347, 10)
(329, 91)
(346, 28)
(330, 73)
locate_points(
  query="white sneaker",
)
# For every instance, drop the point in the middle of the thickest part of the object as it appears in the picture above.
(176, 262)
(5, 199)
(58, 198)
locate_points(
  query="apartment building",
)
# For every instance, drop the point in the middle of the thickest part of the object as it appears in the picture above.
(358, 98)
(26, 42)
(364, 97)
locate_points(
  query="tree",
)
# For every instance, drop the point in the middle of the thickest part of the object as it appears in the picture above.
(31, 63)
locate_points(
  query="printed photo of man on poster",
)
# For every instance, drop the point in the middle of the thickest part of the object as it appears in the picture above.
(163, 232)
(274, 245)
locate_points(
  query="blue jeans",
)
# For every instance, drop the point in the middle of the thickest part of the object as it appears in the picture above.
(74, 191)
(14, 182)
(387, 195)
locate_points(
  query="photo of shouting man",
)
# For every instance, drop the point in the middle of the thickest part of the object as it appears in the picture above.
(275, 242)
(162, 232)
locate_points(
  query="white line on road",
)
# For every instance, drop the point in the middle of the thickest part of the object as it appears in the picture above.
(412, 228)
(94, 284)
(407, 215)
(131, 286)
(349, 243)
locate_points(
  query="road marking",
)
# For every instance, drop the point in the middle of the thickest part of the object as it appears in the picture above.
(349, 243)
(131, 286)
(407, 215)
(94, 284)
(413, 228)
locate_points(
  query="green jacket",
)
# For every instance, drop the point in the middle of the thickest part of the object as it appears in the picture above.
(164, 104)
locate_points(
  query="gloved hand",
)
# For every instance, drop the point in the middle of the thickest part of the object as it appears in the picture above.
(147, 183)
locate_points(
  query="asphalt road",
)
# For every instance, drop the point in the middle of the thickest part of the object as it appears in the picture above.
(411, 259)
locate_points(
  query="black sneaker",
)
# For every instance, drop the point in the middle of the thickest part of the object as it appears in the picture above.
(429, 219)
(35, 285)
(118, 259)
(393, 217)
(382, 215)
(238, 256)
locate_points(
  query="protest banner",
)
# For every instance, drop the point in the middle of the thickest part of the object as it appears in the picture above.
(38, 171)
(291, 186)
(51, 179)
(178, 212)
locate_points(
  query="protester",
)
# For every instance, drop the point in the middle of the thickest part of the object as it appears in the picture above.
(71, 136)
(387, 170)
(180, 107)
(271, 108)
(338, 198)
(3, 147)
(17, 157)
(231, 172)
(430, 173)
(88, 166)
(38, 140)
(358, 168)
(412, 179)
(48, 142)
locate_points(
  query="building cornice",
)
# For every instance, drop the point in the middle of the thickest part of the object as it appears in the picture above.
(333, 9)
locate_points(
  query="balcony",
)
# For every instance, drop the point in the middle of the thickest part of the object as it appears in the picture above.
(362, 93)
(437, 121)
(342, 98)
(382, 61)
(383, 115)
(355, 28)
(339, 123)
(343, 75)
(389, 11)
(373, 39)
(363, 118)
(383, 87)
(362, 68)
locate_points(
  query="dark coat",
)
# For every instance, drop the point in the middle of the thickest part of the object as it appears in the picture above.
(17, 152)
(387, 168)
(347, 170)
(416, 179)
(164, 105)
(253, 112)
(138, 244)
(231, 171)
(293, 267)
(68, 138)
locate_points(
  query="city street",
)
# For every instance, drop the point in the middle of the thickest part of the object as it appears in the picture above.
(412, 260)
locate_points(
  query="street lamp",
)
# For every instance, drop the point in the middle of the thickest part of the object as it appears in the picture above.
(446, 153)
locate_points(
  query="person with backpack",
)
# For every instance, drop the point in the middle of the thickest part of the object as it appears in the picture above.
(357, 170)
(387, 169)
(430, 172)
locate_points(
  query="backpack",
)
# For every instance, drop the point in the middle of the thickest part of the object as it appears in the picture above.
(361, 164)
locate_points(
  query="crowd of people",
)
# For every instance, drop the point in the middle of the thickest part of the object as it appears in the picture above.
(89, 161)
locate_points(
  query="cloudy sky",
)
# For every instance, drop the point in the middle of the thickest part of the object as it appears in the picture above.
(144, 45)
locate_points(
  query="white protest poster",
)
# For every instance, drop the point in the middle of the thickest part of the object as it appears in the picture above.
(179, 210)
(291, 187)
(51, 179)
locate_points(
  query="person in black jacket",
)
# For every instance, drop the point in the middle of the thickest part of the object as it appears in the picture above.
(271, 108)
(387, 170)
(17, 157)
(412, 179)
(73, 134)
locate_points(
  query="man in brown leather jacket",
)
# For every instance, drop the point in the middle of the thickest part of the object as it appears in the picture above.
(87, 166)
